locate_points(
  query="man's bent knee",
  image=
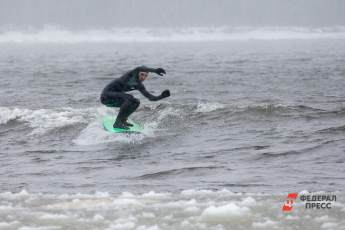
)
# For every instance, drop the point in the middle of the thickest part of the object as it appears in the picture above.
(136, 101)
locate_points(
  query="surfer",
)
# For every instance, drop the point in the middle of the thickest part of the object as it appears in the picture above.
(114, 95)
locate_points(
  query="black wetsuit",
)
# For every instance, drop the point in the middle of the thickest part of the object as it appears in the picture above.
(114, 95)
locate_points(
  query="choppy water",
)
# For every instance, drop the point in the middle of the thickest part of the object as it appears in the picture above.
(245, 116)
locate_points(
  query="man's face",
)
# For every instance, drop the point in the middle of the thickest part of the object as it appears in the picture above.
(143, 76)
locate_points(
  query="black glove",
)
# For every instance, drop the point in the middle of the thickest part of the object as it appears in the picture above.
(160, 71)
(165, 93)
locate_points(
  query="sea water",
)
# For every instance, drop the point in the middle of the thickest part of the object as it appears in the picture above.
(251, 118)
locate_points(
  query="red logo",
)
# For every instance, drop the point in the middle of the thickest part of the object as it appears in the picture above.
(291, 197)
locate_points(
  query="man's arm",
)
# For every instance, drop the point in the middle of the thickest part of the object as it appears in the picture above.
(143, 68)
(148, 95)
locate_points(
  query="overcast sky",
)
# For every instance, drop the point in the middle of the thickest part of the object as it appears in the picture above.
(80, 14)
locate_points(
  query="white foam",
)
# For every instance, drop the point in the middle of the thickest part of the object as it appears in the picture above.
(329, 225)
(98, 217)
(148, 215)
(192, 210)
(224, 213)
(266, 224)
(209, 107)
(95, 134)
(7, 114)
(182, 203)
(126, 202)
(155, 195)
(126, 195)
(55, 34)
(7, 225)
(43, 120)
(20, 195)
(122, 224)
(97, 194)
(40, 228)
(248, 201)
(204, 192)
(289, 217)
(54, 217)
(211, 210)
(322, 218)
(152, 126)
(144, 227)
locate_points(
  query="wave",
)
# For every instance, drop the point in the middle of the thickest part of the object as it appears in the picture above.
(55, 34)
(336, 129)
(95, 134)
(219, 110)
(209, 107)
(154, 118)
(52, 118)
(177, 172)
(291, 152)
(43, 120)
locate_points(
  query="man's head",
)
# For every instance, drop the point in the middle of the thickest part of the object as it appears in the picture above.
(142, 76)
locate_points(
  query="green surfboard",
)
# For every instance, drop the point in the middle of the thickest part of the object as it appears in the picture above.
(108, 122)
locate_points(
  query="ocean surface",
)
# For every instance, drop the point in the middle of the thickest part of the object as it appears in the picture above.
(253, 115)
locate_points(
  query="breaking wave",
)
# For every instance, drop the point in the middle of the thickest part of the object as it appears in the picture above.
(42, 120)
(54, 34)
(45, 119)
(154, 117)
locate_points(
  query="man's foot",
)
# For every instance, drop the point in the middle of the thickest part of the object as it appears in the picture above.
(118, 125)
(128, 124)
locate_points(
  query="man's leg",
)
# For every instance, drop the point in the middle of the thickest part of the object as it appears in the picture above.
(129, 105)
(131, 108)
(113, 99)
(117, 99)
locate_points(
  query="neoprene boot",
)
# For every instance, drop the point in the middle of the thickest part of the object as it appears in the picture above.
(120, 125)
(120, 121)
(126, 122)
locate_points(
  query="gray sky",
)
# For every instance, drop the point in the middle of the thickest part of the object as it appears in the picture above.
(81, 14)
